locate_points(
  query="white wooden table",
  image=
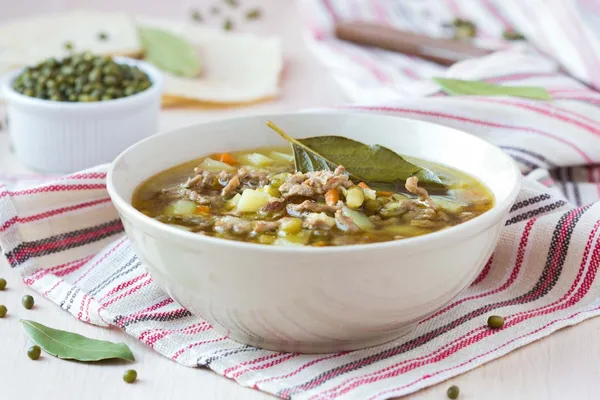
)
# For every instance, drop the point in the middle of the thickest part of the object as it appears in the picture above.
(564, 366)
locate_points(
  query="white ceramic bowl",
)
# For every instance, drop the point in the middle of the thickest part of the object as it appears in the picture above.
(314, 299)
(64, 137)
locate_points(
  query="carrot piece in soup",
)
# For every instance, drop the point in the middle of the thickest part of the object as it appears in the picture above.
(202, 210)
(226, 158)
(332, 196)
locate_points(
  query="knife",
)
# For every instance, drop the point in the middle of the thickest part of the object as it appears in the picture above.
(439, 50)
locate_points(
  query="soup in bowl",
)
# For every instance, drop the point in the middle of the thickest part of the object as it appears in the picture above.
(344, 239)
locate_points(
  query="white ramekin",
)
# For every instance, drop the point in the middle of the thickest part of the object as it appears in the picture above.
(63, 137)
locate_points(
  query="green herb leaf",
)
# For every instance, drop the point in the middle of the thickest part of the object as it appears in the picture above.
(71, 346)
(169, 52)
(377, 166)
(477, 88)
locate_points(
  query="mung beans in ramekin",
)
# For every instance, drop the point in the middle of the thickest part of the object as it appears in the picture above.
(68, 116)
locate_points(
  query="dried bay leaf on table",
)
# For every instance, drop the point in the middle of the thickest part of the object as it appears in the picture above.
(459, 87)
(169, 52)
(72, 346)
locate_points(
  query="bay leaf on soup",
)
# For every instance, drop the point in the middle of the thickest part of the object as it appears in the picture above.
(377, 166)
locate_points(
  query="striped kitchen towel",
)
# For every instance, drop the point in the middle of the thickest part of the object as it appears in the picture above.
(67, 241)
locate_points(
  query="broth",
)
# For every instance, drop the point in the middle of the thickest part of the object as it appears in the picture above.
(256, 196)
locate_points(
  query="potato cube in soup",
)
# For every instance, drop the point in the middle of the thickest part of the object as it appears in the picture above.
(281, 157)
(252, 200)
(256, 160)
(181, 207)
(215, 166)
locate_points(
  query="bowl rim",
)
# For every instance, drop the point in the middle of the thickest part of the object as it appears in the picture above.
(155, 75)
(466, 229)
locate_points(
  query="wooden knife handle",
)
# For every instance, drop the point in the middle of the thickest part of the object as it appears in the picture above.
(442, 51)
